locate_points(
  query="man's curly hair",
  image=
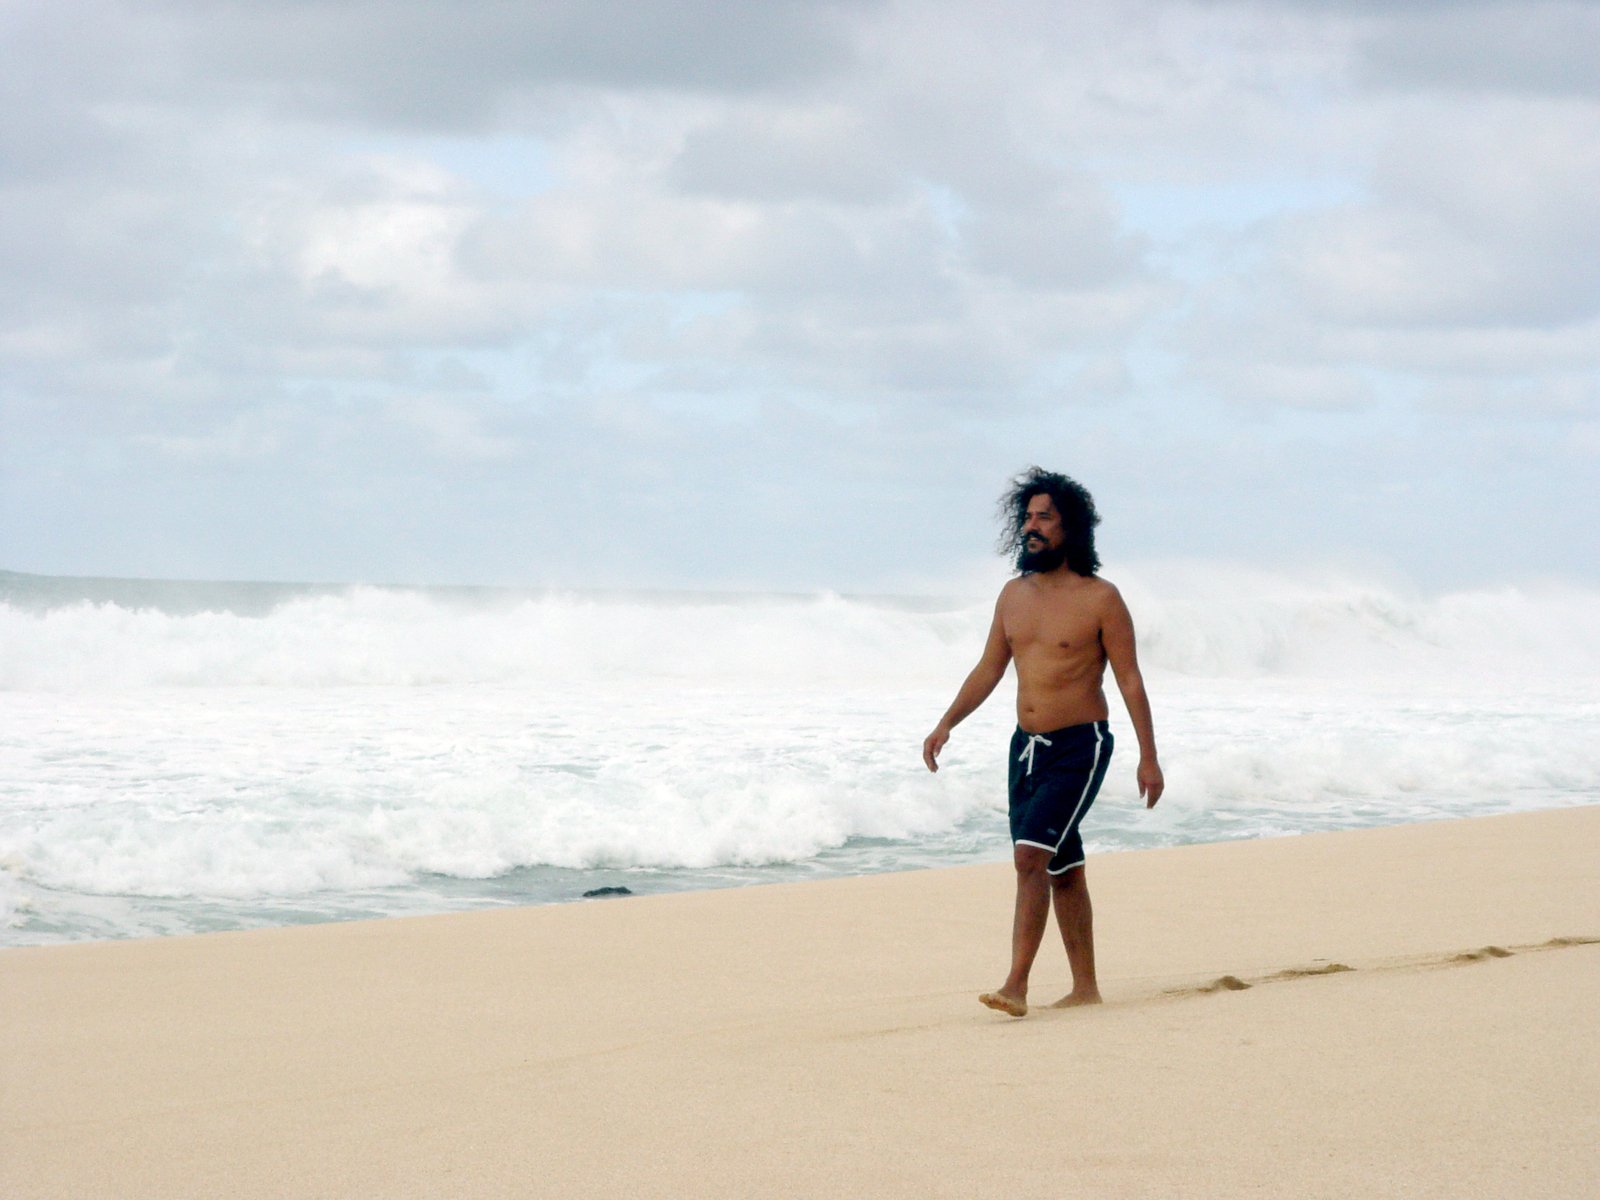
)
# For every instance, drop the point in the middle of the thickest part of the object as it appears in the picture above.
(1072, 501)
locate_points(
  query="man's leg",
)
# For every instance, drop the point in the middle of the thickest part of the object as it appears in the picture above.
(1027, 929)
(1075, 917)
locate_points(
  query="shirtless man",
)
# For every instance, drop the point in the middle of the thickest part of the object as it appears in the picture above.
(1061, 624)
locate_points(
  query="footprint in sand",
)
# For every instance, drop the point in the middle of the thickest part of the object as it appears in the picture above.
(1233, 983)
(1332, 968)
(1480, 955)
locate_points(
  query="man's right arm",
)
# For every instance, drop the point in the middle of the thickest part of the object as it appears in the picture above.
(985, 677)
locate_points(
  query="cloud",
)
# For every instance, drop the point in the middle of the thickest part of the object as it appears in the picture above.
(1478, 214)
(781, 152)
(371, 256)
(435, 65)
(398, 254)
(1531, 47)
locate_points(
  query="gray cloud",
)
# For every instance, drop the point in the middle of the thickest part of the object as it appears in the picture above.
(1531, 47)
(431, 64)
(816, 151)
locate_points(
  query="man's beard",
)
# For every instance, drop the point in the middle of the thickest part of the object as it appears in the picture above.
(1046, 557)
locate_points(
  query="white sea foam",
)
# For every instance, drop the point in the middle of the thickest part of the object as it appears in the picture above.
(377, 750)
(404, 638)
(1202, 620)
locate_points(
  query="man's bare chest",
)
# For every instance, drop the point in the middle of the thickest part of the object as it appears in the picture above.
(1062, 628)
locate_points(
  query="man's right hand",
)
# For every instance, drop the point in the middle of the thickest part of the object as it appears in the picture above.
(932, 744)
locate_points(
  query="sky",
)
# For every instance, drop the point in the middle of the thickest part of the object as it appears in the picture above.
(688, 294)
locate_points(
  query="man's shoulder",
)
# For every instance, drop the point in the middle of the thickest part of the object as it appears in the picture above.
(1091, 595)
(1101, 594)
(1087, 586)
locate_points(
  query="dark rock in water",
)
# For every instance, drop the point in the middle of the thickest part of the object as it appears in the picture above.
(608, 891)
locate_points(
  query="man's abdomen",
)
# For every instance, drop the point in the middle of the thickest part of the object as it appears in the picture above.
(1041, 709)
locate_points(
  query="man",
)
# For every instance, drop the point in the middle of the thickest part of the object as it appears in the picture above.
(1061, 624)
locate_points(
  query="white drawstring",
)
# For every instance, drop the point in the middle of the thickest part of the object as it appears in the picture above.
(1027, 751)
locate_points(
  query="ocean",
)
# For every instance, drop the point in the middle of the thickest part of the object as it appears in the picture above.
(186, 757)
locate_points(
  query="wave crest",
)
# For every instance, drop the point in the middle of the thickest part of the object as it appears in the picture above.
(1213, 623)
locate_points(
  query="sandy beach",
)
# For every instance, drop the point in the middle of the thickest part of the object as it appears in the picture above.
(823, 1039)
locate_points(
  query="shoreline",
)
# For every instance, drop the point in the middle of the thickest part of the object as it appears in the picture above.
(819, 1037)
(787, 874)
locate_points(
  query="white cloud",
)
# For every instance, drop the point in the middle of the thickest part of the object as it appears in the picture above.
(372, 257)
(1479, 214)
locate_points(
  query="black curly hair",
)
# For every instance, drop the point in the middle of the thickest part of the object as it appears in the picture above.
(1072, 501)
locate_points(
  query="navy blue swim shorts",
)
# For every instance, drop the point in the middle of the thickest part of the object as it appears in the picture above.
(1054, 779)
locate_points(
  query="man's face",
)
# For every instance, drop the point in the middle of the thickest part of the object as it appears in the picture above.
(1043, 544)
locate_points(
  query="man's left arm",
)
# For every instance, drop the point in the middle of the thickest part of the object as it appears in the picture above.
(1116, 636)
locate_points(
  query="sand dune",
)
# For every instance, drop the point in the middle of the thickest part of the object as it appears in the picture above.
(1397, 1012)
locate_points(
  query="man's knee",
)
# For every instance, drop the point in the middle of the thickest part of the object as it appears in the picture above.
(1069, 880)
(1030, 860)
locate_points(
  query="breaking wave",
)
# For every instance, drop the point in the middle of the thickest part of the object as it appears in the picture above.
(1215, 623)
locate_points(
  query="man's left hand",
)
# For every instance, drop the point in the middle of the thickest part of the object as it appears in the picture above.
(1151, 784)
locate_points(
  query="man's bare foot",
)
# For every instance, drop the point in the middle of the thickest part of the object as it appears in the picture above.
(1075, 998)
(1005, 1002)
